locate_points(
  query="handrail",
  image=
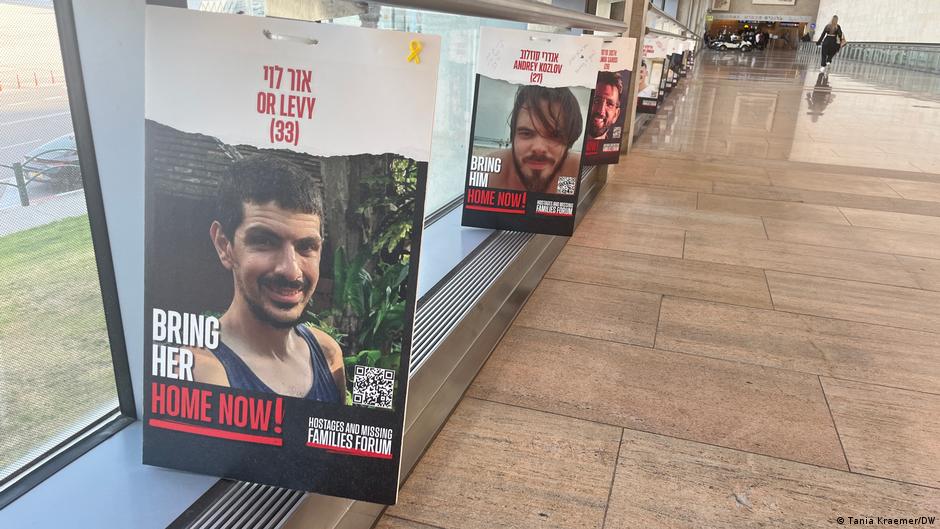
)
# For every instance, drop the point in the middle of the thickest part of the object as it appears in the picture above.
(668, 34)
(913, 56)
(529, 11)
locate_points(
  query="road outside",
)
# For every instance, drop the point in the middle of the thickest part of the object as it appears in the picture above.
(34, 106)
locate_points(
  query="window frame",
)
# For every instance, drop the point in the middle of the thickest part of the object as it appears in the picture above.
(96, 502)
(89, 436)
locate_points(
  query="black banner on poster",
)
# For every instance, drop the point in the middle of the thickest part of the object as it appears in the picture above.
(673, 65)
(532, 97)
(283, 225)
(608, 111)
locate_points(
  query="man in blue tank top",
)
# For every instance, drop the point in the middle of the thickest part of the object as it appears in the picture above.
(268, 234)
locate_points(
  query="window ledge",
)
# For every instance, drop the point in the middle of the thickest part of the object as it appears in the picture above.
(108, 487)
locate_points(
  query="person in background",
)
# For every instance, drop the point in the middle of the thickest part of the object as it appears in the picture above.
(831, 41)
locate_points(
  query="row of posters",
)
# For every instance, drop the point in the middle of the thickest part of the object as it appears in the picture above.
(665, 60)
(286, 167)
(545, 106)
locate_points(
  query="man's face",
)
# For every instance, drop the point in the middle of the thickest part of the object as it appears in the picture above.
(644, 75)
(537, 151)
(605, 109)
(275, 259)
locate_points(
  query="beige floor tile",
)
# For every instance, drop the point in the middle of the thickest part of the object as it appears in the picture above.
(843, 349)
(907, 308)
(685, 219)
(757, 177)
(829, 198)
(763, 410)
(596, 231)
(888, 432)
(501, 466)
(799, 258)
(890, 220)
(636, 160)
(650, 196)
(853, 237)
(770, 208)
(925, 271)
(854, 184)
(916, 190)
(699, 167)
(650, 178)
(605, 313)
(391, 522)
(662, 275)
(664, 483)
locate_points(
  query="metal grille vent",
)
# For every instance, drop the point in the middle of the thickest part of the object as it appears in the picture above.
(249, 506)
(437, 317)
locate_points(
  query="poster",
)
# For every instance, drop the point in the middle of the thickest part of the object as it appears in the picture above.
(533, 93)
(608, 111)
(283, 221)
(650, 78)
(686, 55)
(721, 5)
(674, 63)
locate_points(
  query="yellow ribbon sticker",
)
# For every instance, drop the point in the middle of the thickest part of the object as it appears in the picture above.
(415, 47)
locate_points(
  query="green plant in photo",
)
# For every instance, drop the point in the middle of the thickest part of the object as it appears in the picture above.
(367, 314)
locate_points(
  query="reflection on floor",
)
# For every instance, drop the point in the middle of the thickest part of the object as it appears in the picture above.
(742, 333)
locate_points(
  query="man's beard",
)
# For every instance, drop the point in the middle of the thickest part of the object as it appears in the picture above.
(263, 315)
(537, 183)
(599, 132)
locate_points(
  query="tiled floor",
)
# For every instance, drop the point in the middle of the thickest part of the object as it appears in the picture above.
(743, 332)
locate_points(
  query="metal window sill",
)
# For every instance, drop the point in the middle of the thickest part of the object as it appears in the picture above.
(108, 487)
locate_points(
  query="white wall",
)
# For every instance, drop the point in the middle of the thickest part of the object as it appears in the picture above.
(884, 20)
(111, 44)
(801, 8)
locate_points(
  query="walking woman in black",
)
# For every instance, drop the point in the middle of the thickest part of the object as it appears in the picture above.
(831, 41)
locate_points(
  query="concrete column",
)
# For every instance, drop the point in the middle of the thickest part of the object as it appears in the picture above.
(633, 12)
(684, 13)
(697, 16)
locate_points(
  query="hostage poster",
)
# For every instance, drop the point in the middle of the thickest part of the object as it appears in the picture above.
(673, 63)
(533, 93)
(285, 177)
(649, 82)
(608, 111)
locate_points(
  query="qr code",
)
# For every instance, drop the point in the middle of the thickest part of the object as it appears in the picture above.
(373, 386)
(566, 185)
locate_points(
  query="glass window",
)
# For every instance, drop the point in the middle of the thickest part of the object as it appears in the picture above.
(56, 373)
(455, 86)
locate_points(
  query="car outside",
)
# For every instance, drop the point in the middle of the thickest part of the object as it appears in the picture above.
(55, 161)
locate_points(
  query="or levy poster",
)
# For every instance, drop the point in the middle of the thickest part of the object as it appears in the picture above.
(533, 93)
(285, 177)
(608, 110)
